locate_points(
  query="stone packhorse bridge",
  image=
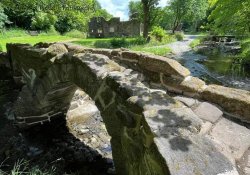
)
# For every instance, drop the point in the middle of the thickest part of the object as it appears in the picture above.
(160, 119)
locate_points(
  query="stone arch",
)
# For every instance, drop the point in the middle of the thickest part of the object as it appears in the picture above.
(150, 132)
(132, 151)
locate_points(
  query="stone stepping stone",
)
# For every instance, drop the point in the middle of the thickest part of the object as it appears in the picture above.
(231, 136)
(208, 112)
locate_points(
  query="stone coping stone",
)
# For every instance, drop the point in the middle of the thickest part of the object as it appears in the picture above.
(187, 101)
(190, 86)
(234, 101)
(163, 65)
(56, 49)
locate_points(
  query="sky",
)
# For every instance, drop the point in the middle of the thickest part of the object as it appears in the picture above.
(119, 8)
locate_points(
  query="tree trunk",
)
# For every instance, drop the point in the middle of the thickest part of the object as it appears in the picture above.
(146, 20)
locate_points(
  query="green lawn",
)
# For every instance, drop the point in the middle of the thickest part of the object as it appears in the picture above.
(20, 36)
(33, 39)
(162, 51)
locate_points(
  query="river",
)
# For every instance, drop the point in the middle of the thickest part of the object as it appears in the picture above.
(214, 69)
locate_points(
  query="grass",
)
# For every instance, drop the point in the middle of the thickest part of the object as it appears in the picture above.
(162, 51)
(195, 43)
(137, 44)
(21, 167)
(21, 36)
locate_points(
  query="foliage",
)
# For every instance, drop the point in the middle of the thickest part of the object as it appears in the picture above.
(189, 11)
(3, 18)
(179, 36)
(119, 42)
(50, 32)
(21, 167)
(138, 41)
(158, 33)
(102, 44)
(13, 32)
(75, 34)
(71, 14)
(43, 21)
(166, 19)
(230, 17)
(135, 7)
(245, 45)
(1, 48)
(195, 43)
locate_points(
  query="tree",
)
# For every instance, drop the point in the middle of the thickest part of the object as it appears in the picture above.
(166, 19)
(149, 15)
(230, 17)
(198, 12)
(43, 21)
(76, 12)
(191, 11)
(135, 7)
(180, 9)
(3, 18)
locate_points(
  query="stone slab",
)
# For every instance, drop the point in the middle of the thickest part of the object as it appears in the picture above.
(231, 136)
(208, 112)
(187, 101)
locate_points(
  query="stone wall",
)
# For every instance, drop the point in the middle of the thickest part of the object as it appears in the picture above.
(165, 72)
(151, 133)
(100, 28)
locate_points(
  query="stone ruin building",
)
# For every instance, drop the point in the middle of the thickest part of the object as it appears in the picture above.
(100, 28)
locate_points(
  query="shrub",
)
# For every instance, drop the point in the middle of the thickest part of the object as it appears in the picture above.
(179, 36)
(119, 42)
(102, 44)
(43, 21)
(138, 41)
(14, 32)
(1, 48)
(3, 18)
(75, 34)
(245, 45)
(158, 33)
(63, 25)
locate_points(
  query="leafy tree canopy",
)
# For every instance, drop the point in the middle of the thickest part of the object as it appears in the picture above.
(3, 18)
(230, 17)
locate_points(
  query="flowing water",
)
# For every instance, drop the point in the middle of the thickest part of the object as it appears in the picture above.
(217, 69)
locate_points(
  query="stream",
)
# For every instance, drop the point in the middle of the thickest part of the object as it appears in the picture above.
(214, 69)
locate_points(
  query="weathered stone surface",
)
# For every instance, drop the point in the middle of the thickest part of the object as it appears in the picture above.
(131, 56)
(190, 86)
(56, 49)
(232, 136)
(4, 61)
(205, 128)
(187, 101)
(75, 48)
(106, 52)
(163, 65)
(42, 45)
(234, 101)
(208, 112)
